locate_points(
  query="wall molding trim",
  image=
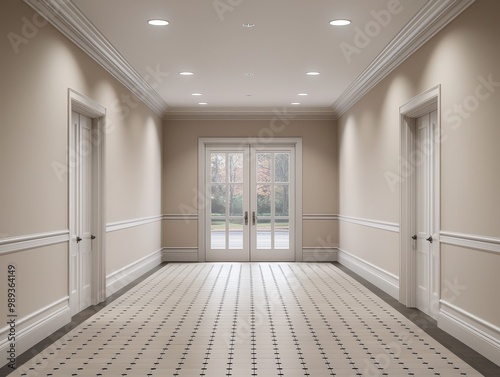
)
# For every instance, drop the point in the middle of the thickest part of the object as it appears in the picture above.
(320, 254)
(32, 241)
(71, 22)
(433, 17)
(383, 279)
(471, 241)
(180, 254)
(126, 275)
(36, 326)
(320, 217)
(181, 216)
(377, 224)
(194, 113)
(482, 336)
(120, 225)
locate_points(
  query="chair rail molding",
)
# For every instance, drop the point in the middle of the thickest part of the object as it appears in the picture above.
(32, 241)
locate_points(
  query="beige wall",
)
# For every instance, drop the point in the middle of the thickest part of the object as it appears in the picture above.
(368, 136)
(180, 172)
(34, 138)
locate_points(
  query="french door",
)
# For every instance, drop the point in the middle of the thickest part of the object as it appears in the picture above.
(250, 206)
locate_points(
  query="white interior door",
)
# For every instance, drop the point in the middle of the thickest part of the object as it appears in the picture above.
(426, 256)
(250, 211)
(81, 248)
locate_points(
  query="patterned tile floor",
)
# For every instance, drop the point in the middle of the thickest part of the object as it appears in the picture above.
(253, 319)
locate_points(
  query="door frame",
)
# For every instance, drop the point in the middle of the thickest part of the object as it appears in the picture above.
(85, 106)
(418, 106)
(204, 201)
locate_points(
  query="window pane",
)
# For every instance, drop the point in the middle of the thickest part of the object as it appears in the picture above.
(236, 234)
(236, 167)
(282, 234)
(264, 240)
(282, 200)
(218, 235)
(236, 200)
(281, 167)
(264, 167)
(263, 200)
(218, 200)
(218, 167)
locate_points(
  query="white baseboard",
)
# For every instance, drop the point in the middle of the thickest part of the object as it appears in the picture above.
(384, 280)
(319, 254)
(35, 327)
(126, 275)
(180, 254)
(478, 334)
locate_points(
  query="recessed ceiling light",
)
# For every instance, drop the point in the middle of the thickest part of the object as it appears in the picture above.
(303, 94)
(340, 22)
(313, 73)
(186, 73)
(196, 94)
(202, 103)
(249, 74)
(295, 103)
(158, 22)
(249, 25)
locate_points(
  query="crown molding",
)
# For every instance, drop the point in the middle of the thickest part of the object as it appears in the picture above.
(284, 114)
(72, 23)
(433, 17)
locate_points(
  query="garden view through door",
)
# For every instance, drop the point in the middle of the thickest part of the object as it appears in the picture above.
(251, 204)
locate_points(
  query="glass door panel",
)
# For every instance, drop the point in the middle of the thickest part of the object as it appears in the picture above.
(228, 235)
(272, 190)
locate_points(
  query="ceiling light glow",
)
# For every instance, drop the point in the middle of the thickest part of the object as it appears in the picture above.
(158, 22)
(295, 103)
(312, 73)
(186, 73)
(202, 103)
(340, 22)
(248, 25)
(196, 94)
(303, 94)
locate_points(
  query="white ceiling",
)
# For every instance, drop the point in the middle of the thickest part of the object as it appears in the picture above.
(290, 38)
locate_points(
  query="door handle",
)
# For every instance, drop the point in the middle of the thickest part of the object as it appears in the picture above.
(430, 239)
(246, 217)
(92, 237)
(414, 237)
(78, 239)
(254, 218)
